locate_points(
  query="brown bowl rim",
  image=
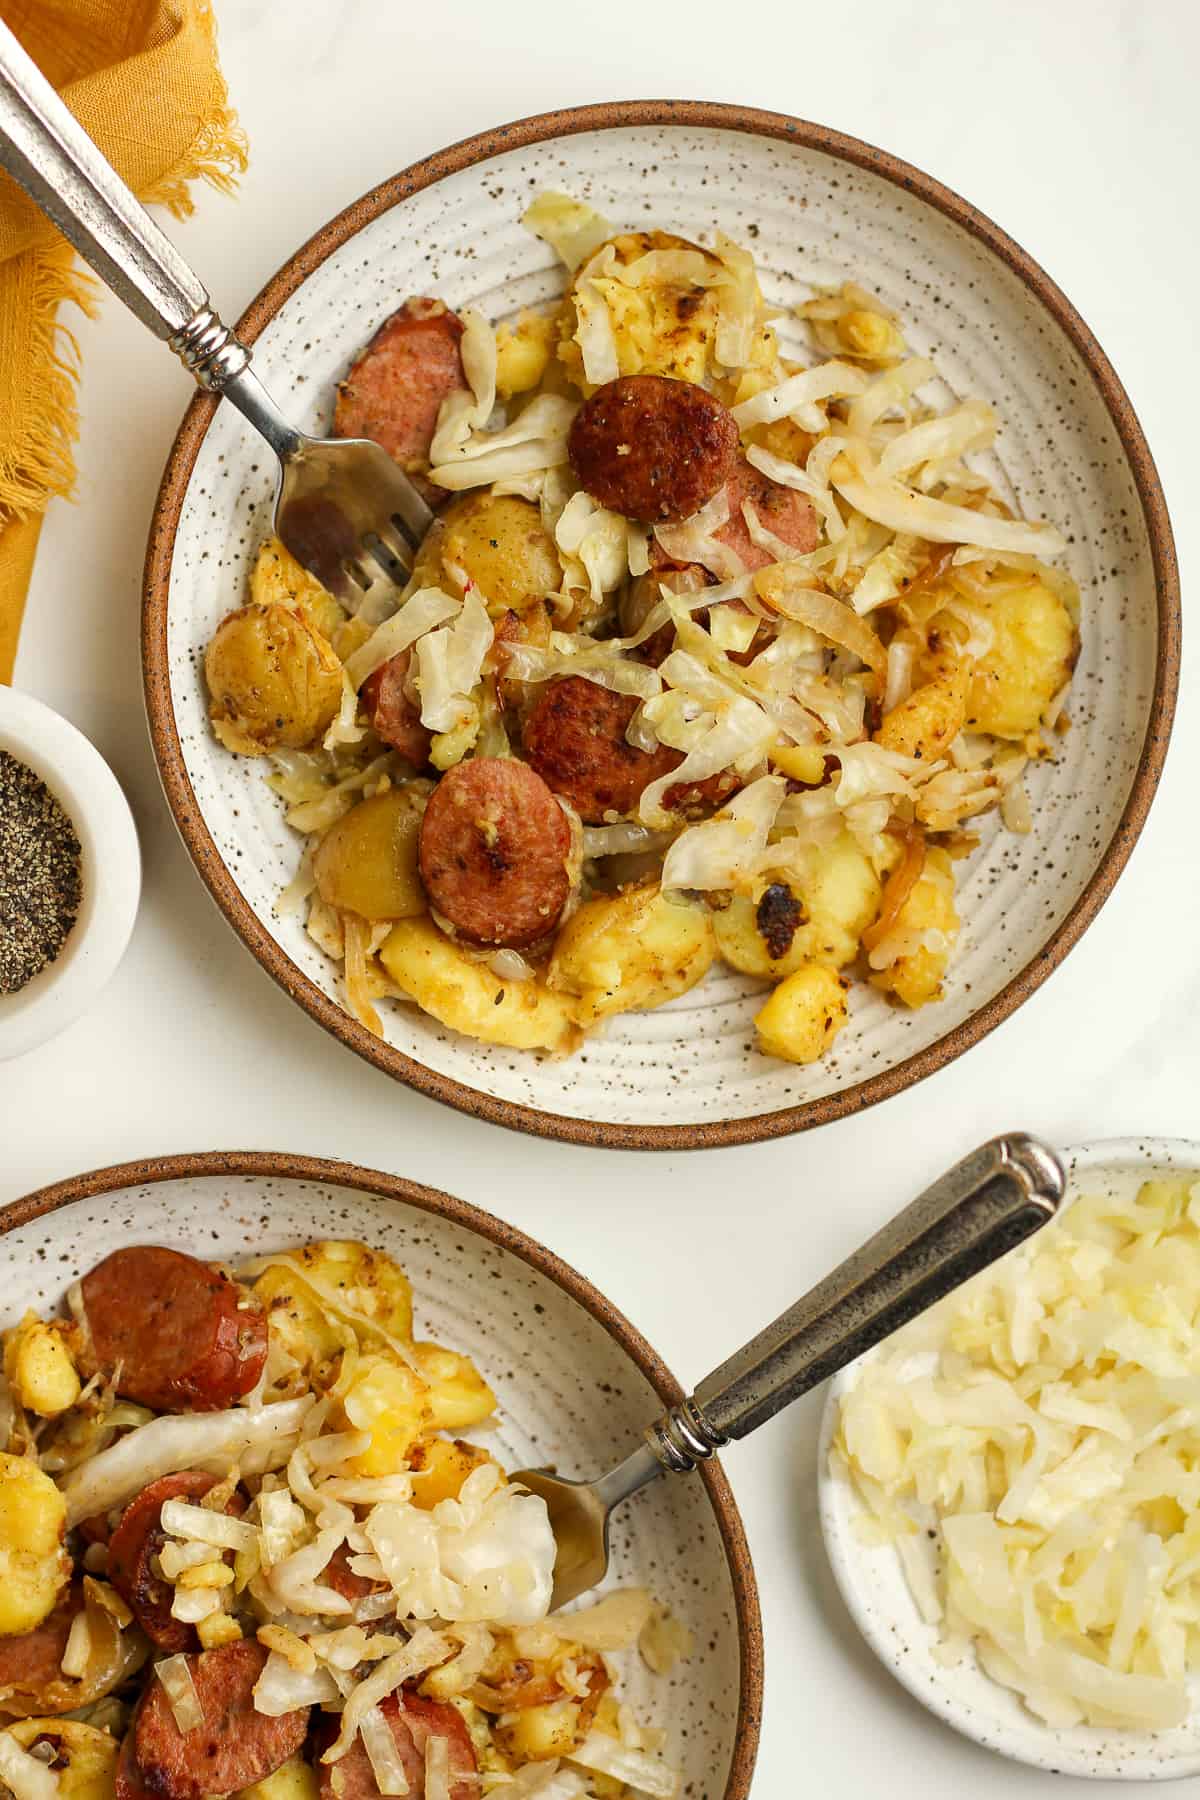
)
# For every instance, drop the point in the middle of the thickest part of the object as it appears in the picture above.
(289, 1165)
(809, 1113)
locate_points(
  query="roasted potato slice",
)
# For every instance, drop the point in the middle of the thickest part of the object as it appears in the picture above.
(929, 922)
(366, 862)
(498, 543)
(274, 680)
(1034, 648)
(34, 1567)
(816, 913)
(632, 951)
(464, 994)
(84, 1759)
(804, 1014)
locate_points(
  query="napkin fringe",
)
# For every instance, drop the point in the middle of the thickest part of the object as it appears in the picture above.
(38, 462)
(219, 151)
(36, 459)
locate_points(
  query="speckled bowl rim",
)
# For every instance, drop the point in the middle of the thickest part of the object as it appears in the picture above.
(284, 1165)
(708, 1134)
(1025, 1742)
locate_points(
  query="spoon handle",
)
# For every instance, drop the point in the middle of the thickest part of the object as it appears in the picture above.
(984, 1206)
(46, 150)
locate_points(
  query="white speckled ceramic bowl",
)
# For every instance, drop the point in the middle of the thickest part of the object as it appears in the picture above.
(817, 208)
(575, 1381)
(110, 870)
(873, 1586)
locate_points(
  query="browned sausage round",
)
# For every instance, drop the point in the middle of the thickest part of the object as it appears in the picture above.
(236, 1745)
(643, 594)
(127, 1780)
(31, 1662)
(392, 714)
(575, 739)
(781, 510)
(393, 392)
(494, 850)
(133, 1548)
(652, 448)
(180, 1331)
(413, 1721)
(338, 1575)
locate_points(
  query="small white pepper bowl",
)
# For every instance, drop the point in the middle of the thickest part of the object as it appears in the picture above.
(111, 871)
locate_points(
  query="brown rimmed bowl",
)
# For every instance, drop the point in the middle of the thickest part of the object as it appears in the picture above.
(576, 1382)
(818, 208)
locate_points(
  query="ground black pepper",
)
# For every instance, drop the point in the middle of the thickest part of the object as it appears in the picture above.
(40, 877)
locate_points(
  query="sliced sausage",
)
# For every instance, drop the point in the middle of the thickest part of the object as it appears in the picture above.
(575, 739)
(643, 594)
(393, 392)
(494, 852)
(652, 448)
(232, 1748)
(32, 1683)
(133, 1548)
(31, 1662)
(179, 1331)
(392, 714)
(413, 1720)
(338, 1575)
(781, 510)
(127, 1779)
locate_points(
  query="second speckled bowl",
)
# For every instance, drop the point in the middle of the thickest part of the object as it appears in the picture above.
(816, 207)
(576, 1382)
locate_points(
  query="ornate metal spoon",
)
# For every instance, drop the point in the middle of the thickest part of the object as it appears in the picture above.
(985, 1205)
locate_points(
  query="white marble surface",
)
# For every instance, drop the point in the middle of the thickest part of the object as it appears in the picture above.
(1075, 126)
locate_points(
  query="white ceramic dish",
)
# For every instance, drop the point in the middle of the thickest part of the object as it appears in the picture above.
(874, 1589)
(87, 790)
(816, 208)
(576, 1383)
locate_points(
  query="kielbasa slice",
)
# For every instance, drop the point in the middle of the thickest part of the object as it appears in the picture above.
(575, 739)
(180, 1332)
(652, 448)
(781, 510)
(136, 1542)
(394, 391)
(494, 852)
(235, 1745)
(127, 1778)
(338, 1575)
(32, 1661)
(412, 1720)
(392, 714)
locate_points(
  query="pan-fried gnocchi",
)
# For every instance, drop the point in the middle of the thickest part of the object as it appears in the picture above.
(34, 1566)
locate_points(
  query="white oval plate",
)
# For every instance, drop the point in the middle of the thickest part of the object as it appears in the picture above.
(873, 1586)
(571, 1375)
(689, 1073)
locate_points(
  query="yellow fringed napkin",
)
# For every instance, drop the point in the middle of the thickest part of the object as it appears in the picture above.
(142, 77)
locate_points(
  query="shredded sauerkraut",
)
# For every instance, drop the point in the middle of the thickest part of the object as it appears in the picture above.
(1031, 1449)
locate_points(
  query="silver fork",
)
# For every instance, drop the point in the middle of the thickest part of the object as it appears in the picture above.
(343, 507)
(984, 1206)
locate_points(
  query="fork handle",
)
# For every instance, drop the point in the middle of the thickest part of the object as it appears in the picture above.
(984, 1206)
(48, 153)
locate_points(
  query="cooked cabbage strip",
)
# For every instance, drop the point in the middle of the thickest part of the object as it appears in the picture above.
(1034, 1420)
